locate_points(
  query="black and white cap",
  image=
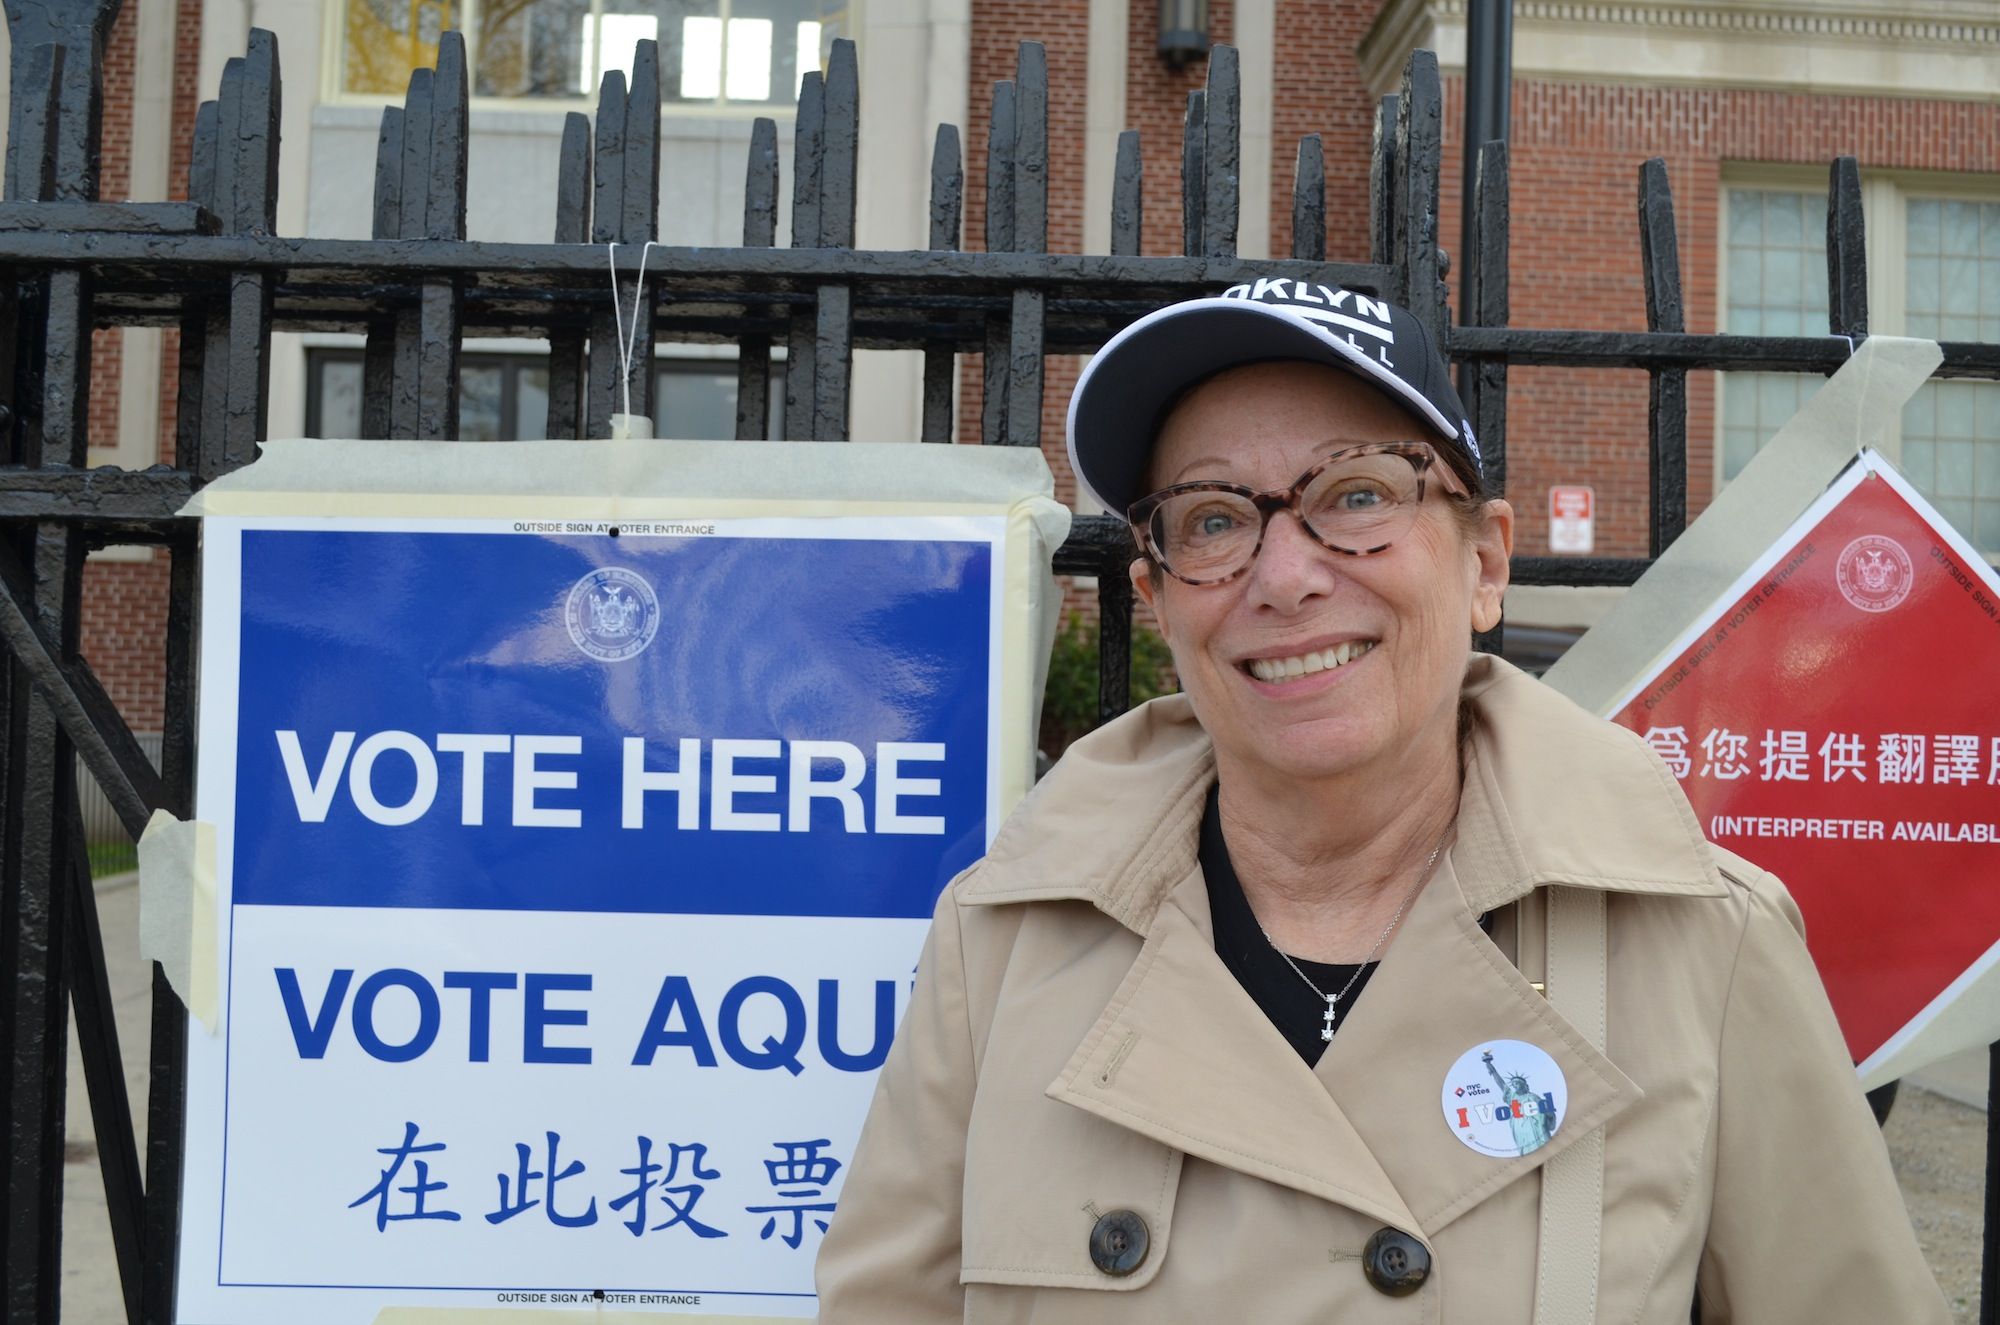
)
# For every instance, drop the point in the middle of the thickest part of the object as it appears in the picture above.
(1124, 392)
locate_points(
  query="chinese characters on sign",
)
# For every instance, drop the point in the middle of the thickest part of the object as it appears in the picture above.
(801, 1172)
(1831, 720)
(1954, 759)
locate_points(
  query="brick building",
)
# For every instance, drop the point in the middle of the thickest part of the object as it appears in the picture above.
(1746, 101)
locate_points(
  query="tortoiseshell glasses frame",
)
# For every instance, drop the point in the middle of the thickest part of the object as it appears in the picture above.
(1358, 531)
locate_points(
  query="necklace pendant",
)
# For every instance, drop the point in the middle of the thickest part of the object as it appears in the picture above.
(1326, 1026)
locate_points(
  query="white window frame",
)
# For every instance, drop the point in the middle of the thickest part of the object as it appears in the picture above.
(1885, 195)
(333, 68)
(1774, 179)
(667, 357)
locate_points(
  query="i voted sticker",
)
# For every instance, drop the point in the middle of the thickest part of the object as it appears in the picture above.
(1505, 1098)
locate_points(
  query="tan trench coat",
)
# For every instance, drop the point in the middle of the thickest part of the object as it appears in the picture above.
(1075, 1047)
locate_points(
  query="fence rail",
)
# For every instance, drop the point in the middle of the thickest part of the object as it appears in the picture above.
(215, 269)
(94, 810)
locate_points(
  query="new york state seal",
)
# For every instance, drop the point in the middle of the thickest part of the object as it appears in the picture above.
(1874, 573)
(612, 614)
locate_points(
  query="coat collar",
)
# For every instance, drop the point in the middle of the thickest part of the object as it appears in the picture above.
(1543, 780)
(1168, 1056)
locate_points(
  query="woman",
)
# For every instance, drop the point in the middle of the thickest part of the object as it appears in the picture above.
(1242, 1017)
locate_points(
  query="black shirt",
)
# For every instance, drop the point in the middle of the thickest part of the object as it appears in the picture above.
(1297, 1012)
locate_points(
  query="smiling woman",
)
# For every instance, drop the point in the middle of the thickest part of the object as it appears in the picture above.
(1243, 1015)
(1400, 604)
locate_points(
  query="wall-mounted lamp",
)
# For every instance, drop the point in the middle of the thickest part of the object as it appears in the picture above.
(1183, 31)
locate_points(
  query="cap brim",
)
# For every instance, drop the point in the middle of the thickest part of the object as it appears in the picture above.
(1122, 391)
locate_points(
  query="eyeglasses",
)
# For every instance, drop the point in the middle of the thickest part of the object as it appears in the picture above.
(1357, 501)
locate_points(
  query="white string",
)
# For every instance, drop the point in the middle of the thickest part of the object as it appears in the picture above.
(1860, 442)
(628, 344)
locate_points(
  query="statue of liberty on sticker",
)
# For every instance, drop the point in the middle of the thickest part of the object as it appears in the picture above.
(1505, 1098)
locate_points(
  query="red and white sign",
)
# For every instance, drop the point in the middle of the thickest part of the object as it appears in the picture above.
(1832, 718)
(1572, 519)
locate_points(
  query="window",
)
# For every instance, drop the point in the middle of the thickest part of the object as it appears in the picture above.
(1946, 253)
(1776, 287)
(713, 53)
(505, 397)
(383, 40)
(1951, 430)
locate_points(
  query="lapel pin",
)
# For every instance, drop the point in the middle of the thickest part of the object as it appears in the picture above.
(1505, 1098)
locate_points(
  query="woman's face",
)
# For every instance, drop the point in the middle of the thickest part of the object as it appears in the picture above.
(1410, 610)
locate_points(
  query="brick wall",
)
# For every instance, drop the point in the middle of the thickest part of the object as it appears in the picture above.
(1574, 260)
(114, 181)
(1316, 87)
(125, 602)
(1063, 27)
(186, 100)
(124, 635)
(1575, 237)
(1156, 96)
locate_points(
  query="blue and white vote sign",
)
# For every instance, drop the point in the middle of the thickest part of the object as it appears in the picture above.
(572, 873)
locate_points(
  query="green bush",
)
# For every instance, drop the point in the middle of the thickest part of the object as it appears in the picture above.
(115, 857)
(1069, 707)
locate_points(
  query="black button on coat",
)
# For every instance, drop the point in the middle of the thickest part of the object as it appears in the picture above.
(1119, 1242)
(1395, 1262)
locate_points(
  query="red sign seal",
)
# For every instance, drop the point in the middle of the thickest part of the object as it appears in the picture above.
(1874, 573)
(1831, 718)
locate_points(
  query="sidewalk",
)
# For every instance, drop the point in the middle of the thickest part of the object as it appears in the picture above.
(90, 1291)
(1937, 1141)
(1936, 1136)
(1961, 1079)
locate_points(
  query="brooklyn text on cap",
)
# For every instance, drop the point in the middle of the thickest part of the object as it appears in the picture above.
(1125, 390)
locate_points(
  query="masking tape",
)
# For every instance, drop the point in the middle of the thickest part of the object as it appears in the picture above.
(177, 909)
(631, 427)
(556, 1316)
(629, 479)
(1858, 405)
(1036, 527)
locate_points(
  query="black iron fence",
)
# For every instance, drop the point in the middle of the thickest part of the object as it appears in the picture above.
(215, 269)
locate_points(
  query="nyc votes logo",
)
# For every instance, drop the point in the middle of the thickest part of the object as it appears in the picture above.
(612, 614)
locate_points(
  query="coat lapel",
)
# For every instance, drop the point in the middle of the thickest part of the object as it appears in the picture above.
(1170, 1054)
(1366, 1129)
(1444, 989)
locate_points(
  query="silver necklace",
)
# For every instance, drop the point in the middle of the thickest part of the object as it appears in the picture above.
(1326, 1026)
